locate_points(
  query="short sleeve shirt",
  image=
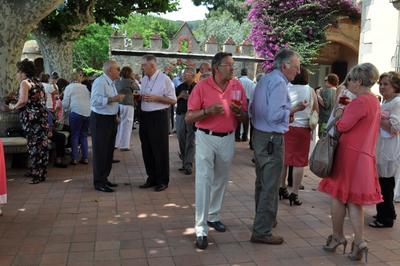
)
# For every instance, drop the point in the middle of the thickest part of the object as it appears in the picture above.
(158, 84)
(207, 93)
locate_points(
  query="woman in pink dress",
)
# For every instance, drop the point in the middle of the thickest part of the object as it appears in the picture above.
(354, 179)
(3, 180)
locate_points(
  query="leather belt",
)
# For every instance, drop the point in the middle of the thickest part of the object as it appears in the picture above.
(218, 134)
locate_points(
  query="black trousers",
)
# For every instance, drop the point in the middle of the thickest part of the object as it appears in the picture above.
(59, 141)
(245, 132)
(386, 212)
(153, 133)
(104, 131)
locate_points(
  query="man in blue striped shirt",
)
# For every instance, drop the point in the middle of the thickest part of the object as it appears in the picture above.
(270, 112)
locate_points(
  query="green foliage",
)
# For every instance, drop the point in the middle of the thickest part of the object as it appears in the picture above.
(222, 25)
(148, 26)
(238, 8)
(69, 16)
(90, 72)
(91, 49)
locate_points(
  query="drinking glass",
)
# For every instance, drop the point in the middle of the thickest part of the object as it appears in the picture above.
(236, 97)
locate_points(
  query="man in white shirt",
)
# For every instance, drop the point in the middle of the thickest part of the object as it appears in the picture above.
(249, 87)
(158, 93)
(103, 124)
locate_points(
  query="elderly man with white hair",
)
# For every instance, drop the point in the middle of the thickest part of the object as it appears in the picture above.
(103, 124)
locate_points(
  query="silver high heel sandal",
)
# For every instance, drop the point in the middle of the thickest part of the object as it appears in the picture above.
(337, 242)
(357, 251)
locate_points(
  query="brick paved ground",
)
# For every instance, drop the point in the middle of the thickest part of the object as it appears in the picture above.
(65, 222)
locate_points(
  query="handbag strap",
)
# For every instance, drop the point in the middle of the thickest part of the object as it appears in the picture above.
(332, 124)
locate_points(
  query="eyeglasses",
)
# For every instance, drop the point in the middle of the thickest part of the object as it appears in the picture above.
(349, 79)
(229, 65)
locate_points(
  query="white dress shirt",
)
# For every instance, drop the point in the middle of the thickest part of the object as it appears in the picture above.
(248, 86)
(103, 88)
(77, 99)
(158, 84)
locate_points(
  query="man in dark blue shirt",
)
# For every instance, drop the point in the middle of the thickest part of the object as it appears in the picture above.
(184, 131)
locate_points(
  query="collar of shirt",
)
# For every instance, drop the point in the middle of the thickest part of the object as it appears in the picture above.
(278, 72)
(213, 84)
(109, 81)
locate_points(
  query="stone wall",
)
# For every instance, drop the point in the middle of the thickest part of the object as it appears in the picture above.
(129, 51)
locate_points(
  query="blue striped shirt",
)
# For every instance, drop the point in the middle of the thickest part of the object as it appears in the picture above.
(271, 105)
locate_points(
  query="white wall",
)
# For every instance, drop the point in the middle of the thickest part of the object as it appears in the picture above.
(379, 34)
(379, 27)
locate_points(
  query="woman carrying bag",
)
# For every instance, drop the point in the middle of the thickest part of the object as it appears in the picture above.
(354, 178)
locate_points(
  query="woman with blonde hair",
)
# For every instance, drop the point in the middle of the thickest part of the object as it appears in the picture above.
(76, 101)
(354, 178)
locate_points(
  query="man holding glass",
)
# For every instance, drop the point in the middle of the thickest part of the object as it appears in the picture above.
(270, 113)
(157, 94)
(211, 105)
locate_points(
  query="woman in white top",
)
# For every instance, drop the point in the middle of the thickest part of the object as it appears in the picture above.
(76, 101)
(297, 139)
(51, 91)
(388, 148)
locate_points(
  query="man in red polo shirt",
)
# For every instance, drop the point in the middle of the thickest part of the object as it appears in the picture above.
(216, 104)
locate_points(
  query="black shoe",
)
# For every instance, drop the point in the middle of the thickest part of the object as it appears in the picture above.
(109, 184)
(36, 180)
(104, 189)
(301, 187)
(160, 188)
(220, 227)
(60, 165)
(283, 193)
(147, 185)
(201, 242)
(188, 171)
(244, 139)
(378, 224)
(115, 161)
(294, 199)
(181, 169)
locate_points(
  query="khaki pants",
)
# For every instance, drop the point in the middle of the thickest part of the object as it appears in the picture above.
(213, 159)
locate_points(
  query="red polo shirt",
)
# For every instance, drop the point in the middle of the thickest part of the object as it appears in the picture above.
(207, 93)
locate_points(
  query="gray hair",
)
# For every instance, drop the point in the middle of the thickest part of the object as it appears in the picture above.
(366, 72)
(283, 57)
(108, 64)
(150, 57)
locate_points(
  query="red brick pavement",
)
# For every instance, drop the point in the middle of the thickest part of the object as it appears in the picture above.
(65, 222)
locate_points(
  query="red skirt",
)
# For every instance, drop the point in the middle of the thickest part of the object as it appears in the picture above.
(297, 146)
(3, 179)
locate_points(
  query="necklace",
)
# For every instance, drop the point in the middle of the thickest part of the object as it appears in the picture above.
(154, 82)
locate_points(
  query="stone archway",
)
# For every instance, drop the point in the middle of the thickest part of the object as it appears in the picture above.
(340, 53)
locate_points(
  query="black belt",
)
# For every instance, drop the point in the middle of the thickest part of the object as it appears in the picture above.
(218, 134)
(156, 111)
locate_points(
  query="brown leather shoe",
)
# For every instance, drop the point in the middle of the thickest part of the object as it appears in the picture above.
(272, 240)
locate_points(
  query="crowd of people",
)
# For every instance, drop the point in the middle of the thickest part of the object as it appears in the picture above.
(213, 110)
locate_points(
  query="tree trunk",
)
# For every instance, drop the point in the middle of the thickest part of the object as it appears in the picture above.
(17, 20)
(57, 50)
(57, 55)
